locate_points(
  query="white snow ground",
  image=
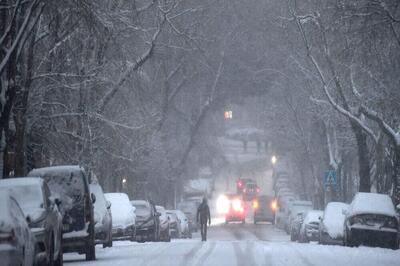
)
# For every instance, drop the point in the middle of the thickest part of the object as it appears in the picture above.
(237, 244)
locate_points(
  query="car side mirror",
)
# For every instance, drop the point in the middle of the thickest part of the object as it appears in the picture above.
(93, 196)
(398, 208)
(108, 204)
(320, 218)
(28, 219)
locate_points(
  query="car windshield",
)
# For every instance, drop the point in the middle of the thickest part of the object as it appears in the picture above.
(69, 186)
(29, 197)
(142, 209)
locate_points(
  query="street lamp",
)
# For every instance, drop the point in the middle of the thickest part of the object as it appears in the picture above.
(274, 160)
(124, 181)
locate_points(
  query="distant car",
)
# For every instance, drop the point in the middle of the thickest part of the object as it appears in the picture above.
(294, 208)
(71, 185)
(123, 216)
(250, 191)
(310, 226)
(241, 184)
(164, 224)
(189, 207)
(236, 210)
(331, 227)
(45, 221)
(102, 217)
(147, 221)
(371, 219)
(174, 224)
(17, 243)
(184, 224)
(296, 226)
(264, 209)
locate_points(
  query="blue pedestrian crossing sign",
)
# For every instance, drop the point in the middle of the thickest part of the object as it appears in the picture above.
(330, 178)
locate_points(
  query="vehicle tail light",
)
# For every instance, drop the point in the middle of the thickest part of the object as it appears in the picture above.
(237, 205)
(255, 204)
(244, 190)
(240, 184)
(274, 205)
(8, 237)
(258, 190)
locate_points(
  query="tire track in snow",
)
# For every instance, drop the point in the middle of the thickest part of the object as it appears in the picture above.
(207, 253)
(192, 252)
(244, 257)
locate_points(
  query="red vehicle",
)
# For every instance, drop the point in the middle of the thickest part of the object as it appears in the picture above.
(236, 211)
(241, 184)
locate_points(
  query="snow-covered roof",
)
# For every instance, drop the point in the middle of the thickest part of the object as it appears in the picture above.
(17, 181)
(364, 203)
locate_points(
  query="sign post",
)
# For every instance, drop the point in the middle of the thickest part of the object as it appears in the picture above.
(330, 179)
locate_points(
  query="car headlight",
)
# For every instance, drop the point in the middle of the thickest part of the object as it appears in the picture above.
(391, 223)
(356, 220)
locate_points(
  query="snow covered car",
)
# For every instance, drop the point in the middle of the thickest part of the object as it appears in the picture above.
(296, 225)
(123, 216)
(147, 221)
(17, 243)
(189, 208)
(102, 217)
(331, 226)
(70, 185)
(296, 207)
(174, 224)
(264, 209)
(309, 230)
(164, 224)
(184, 224)
(34, 198)
(371, 219)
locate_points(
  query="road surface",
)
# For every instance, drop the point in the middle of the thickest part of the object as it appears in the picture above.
(237, 244)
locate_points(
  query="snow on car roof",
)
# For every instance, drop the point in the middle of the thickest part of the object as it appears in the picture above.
(139, 202)
(364, 203)
(313, 216)
(26, 181)
(60, 168)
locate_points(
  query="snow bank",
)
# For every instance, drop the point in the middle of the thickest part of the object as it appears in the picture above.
(364, 203)
(333, 219)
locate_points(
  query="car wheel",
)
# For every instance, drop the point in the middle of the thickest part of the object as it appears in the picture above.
(90, 252)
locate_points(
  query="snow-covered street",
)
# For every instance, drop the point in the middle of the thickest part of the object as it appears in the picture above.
(237, 244)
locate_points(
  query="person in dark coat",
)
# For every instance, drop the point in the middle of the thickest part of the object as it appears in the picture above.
(203, 215)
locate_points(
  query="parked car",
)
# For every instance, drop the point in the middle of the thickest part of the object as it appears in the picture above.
(147, 221)
(296, 226)
(236, 210)
(33, 196)
(70, 184)
(310, 226)
(264, 209)
(174, 224)
(371, 219)
(123, 216)
(282, 211)
(164, 224)
(102, 217)
(184, 224)
(294, 208)
(189, 208)
(17, 243)
(331, 226)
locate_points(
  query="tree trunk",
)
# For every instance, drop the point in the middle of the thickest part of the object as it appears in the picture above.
(363, 158)
(396, 175)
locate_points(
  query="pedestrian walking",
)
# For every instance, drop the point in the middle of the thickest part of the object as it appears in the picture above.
(203, 215)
